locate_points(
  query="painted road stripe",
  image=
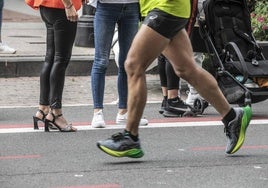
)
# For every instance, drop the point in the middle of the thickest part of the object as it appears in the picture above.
(151, 125)
(19, 157)
(215, 148)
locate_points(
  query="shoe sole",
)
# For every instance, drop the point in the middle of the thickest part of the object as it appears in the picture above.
(177, 110)
(161, 111)
(124, 123)
(98, 126)
(170, 114)
(244, 125)
(131, 153)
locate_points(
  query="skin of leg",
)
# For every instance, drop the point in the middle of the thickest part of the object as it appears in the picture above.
(97, 109)
(44, 108)
(138, 59)
(122, 111)
(60, 121)
(173, 93)
(179, 52)
(164, 91)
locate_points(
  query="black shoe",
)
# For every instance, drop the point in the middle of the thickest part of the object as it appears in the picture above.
(171, 114)
(51, 123)
(36, 119)
(176, 106)
(163, 105)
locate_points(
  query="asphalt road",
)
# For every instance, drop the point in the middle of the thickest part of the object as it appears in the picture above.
(179, 152)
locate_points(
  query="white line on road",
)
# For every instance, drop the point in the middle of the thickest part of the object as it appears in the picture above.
(151, 125)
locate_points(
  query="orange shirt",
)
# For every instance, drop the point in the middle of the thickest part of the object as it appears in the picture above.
(52, 3)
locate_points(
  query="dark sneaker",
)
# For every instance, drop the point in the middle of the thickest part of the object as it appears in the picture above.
(163, 106)
(121, 145)
(170, 114)
(176, 106)
(236, 129)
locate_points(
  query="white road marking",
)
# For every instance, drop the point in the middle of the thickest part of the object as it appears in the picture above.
(151, 125)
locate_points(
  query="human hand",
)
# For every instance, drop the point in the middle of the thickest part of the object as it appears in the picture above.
(71, 14)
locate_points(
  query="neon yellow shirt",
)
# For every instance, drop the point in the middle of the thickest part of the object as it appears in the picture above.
(179, 8)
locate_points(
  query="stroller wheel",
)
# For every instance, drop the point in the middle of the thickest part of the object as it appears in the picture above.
(200, 105)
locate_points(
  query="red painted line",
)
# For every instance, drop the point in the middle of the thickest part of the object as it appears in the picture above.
(215, 148)
(16, 126)
(256, 147)
(19, 157)
(94, 186)
(112, 122)
(208, 148)
(9, 126)
(184, 119)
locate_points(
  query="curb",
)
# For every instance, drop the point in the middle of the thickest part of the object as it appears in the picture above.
(31, 66)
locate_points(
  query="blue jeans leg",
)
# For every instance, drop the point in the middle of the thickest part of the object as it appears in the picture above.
(105, 20)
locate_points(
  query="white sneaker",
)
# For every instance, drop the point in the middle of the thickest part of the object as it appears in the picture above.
(98, 120)
(191, 98)
(5, 49)
(122, 120)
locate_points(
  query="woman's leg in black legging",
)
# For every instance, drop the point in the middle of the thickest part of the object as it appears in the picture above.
(64, 35)
(162, 70)
(60, 38)
(173, 81)
(46, 68)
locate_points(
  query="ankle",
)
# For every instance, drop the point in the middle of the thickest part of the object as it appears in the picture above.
(57, 118)
(133, 137)
(96, 110)
(122, 111)
(229, 116)
(56, 112)
(42, 111)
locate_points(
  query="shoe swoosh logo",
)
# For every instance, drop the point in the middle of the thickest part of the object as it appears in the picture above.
(153, 17)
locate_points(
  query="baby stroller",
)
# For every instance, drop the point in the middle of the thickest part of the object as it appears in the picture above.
(234, 54)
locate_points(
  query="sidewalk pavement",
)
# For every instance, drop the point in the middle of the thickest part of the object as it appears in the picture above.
(27, 34)
(24, 91)
(23, 30)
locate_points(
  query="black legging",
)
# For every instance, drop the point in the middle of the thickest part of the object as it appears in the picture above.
(168, 78)
(60, 38)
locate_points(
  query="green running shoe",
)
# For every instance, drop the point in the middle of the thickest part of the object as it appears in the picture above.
(236, 129)
(121, 145)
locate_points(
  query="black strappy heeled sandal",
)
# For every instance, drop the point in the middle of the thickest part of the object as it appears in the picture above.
(49, 123)
(36, 119)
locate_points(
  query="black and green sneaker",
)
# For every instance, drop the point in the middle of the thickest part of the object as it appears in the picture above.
(121, 145)
(236, 129)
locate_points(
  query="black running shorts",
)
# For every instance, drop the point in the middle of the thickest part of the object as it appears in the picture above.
(164, 23)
